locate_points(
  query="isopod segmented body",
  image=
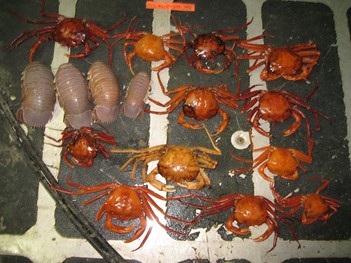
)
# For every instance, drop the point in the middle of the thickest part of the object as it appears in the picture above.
(104, 89)
(134, 102)
(73, 96)
(38, 95)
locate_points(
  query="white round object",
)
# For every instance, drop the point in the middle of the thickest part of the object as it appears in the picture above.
(240, 139)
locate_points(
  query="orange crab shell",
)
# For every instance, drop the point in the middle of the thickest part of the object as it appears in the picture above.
(70, 32)
(289, 62)
(123, 203)
(83, 150)
(179, 165)
(250, 211)
(281, 61)
(315, 207)
(150, 48)
(200, 104)
(208, 45)
(274, 107)
(283, 163)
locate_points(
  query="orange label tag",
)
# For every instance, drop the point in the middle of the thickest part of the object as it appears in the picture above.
(187, 7)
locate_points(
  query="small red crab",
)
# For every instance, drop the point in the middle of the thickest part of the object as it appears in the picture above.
(151, 48)
(278, 106)
(181, 164)
(200, 103)
(282, 162)
(248, 210)
(315, 207)
(208, 48)
(289, 62)
(84, 144)
(125, 203)
(68, 32)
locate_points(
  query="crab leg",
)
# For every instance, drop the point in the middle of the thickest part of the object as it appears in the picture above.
(297, 115)
(153, 203)
(151, 214)
(236, 230)
(28, 34)
(225, 97)
(151, 178)
(261, 171)
(255, 162)
(171, 104)
(146, 161)
(34, 21)
(169, 60)
(201, 180)
(306, 158)
(112, 227)
(84, 189)
(181, 120)
(226, 117)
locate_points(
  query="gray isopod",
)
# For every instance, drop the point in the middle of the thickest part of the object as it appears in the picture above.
(38, 95)
(73, 96)
(105, 91)
(133, 106)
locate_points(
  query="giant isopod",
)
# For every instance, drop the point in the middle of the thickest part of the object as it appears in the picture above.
(133, 106)
(73, 96)
(105, 91)
(38, 95)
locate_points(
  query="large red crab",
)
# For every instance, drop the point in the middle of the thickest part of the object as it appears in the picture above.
(278, 106)
(209, 48)
(315, 207)
(282, 162)
(181, 164)
(125, 203)
(83, 145)
(248, 210)
(151, 48)
(200, 103)
(68, 32)
(289, 62)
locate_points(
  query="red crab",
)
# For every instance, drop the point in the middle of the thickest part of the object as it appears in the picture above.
(282, 162)
(151, 48)
(208, 48)
(248, 210)
(315, 207)
(68, 32)
(84, 144)
(289, 62)
(278, 106)
(125, 203)
(200, 103)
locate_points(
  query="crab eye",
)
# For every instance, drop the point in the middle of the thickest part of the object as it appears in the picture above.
(219, 42)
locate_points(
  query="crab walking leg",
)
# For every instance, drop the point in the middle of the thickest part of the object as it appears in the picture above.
(201, 180)
(151, 178)
(52, 154)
